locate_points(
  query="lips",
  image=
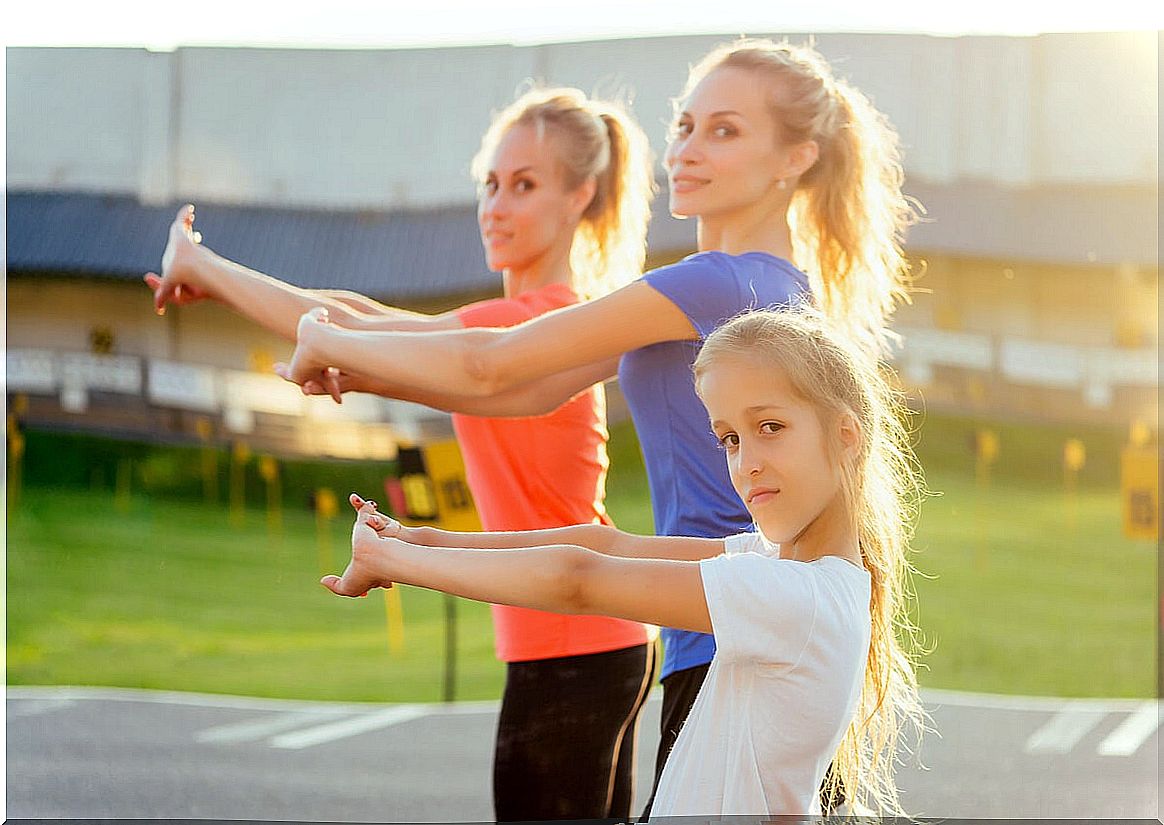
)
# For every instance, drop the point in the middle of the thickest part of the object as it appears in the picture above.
(686, 183)
(758, 495)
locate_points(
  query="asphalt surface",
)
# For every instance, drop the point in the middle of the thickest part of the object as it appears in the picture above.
(102, 753)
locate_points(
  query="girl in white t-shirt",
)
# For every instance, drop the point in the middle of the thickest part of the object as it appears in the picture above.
(814, 660)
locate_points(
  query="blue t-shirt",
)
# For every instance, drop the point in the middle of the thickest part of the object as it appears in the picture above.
(691, 492)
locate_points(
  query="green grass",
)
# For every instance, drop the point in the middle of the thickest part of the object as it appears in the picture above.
(168, 595)
(1026, 591)
(1023, 590)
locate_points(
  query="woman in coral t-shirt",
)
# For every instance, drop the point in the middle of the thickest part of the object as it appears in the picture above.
(565, 184)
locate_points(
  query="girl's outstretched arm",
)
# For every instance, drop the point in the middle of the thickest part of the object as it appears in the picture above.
(558, 578)
(599, 538)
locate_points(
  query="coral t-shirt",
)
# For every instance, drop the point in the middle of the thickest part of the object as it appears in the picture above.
(539, 472)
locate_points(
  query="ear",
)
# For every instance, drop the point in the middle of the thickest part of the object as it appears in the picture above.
(801, 157)
(849, 435)
(581, 197)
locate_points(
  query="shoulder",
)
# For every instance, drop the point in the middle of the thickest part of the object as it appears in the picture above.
(507, 312)
(693, 266)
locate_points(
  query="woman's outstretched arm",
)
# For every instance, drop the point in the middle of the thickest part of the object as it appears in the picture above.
(539, 397)
(192, 272)
(561, 578)
(485, 362)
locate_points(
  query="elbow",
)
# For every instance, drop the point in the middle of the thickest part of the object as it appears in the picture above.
(576, 574)
(485, 364)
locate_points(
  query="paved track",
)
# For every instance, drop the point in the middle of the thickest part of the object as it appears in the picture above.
(100, 753)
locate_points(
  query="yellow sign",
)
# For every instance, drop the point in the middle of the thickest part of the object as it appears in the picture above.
(1140, 492)
(446, 471)
(434, 486)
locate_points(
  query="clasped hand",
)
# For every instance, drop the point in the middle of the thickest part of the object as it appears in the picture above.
(373, 536)
(306, 368)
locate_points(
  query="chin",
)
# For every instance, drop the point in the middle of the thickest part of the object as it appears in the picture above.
(681, 210)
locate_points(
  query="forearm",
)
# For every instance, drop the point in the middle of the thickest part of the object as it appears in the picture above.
(560, 579)
(541, 578)
(267, 301)
(414, 363)
(540, 397)
(600, 538)
(374, 315)
(597, 537)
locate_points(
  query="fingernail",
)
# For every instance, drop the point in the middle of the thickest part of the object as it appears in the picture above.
(160, 310)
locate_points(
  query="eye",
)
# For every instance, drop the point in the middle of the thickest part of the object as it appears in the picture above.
(728, 441)
(680, 129)
(725, 130)
(523, 185)
(489, 187)
(771, 427)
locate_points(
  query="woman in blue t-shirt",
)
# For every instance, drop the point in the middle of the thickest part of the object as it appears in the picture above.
(795, 180)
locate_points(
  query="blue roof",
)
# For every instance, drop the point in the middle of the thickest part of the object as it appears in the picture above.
(399, 254)
(396, 255)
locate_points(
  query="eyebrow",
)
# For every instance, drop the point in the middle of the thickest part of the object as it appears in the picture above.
(756, 409)
(720, 113)
(521, 171)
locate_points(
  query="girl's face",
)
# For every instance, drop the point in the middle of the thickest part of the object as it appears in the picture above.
(777, 449)
(724, 150)
(524, 209)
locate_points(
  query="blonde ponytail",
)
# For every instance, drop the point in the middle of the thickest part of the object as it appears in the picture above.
(848, 214)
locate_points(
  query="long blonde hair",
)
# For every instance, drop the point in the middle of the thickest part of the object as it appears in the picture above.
(599, 139)
(848, 214)
(882, 487)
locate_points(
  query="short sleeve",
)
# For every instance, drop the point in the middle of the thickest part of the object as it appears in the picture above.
(711, 288)
(762, 609)
(509, 312)
(742, 543)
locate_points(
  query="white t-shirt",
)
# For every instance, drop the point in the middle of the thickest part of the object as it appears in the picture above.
(792, 639)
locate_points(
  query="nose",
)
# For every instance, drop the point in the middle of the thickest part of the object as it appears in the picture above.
(683, 151)
(749, 460)
(491, 206)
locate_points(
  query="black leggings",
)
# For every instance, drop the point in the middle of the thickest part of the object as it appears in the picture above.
(566, 736)
(679, 691)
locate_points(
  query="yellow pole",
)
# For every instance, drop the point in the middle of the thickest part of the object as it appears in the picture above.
(269, 471)
(15, 461)
(326, 509)
(394, 611)
(986, 448)
(209, 460)
(1074, 458)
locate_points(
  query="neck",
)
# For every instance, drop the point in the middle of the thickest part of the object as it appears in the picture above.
(551, 268)
(831, 533)
(758, 227)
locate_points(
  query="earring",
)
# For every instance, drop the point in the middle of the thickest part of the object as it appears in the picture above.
(780, 184)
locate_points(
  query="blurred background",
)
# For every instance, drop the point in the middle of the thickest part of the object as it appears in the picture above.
(171, 502)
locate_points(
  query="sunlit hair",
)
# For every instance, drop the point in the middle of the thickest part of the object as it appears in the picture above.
(590, 138)
(848, 213)
(882, 488)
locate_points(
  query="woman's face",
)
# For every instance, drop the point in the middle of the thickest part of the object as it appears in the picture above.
(723, 151)
(524, 210)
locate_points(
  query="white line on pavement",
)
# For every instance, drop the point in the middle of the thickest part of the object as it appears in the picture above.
(254, 729)
(1127, 738)
(1063, 731)
(35, 707)
(349, 727)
